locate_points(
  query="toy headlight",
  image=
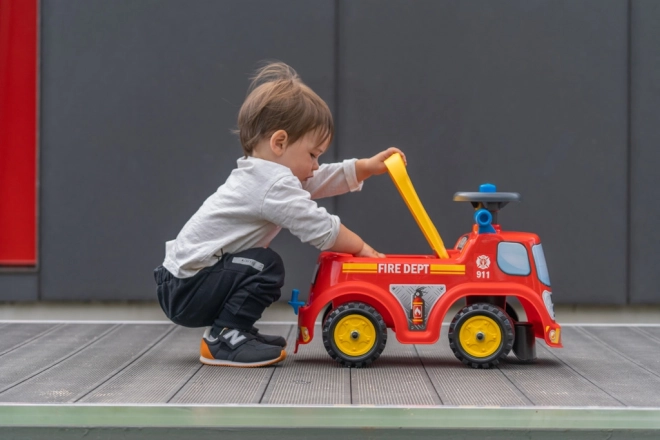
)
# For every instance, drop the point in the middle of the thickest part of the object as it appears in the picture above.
(547, 300)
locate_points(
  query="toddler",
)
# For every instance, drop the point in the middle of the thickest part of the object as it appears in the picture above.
(220, 271)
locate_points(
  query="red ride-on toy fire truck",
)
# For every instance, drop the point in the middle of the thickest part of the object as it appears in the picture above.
(411, 294)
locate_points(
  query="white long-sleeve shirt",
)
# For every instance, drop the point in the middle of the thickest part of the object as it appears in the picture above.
(258, 199)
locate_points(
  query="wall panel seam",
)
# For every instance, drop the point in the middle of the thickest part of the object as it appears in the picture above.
(628, 228)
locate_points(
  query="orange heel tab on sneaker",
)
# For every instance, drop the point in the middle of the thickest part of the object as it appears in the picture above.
(204, 350)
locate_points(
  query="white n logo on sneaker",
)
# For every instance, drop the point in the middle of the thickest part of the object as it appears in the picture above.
(234, 337)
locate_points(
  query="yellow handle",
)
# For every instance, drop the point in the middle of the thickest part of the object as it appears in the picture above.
(397, 170)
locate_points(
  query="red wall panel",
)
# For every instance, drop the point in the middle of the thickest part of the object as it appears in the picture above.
(18, 132)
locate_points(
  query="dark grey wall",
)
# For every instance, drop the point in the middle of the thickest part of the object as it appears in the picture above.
(19, 285)
(138, 99)
(552, 99)
(531, 96)
(645, 152)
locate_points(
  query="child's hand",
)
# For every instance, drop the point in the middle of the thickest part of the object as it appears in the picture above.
(375, 165)
(369, 252)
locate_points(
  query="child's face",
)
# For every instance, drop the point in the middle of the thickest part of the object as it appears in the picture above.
(302, 156)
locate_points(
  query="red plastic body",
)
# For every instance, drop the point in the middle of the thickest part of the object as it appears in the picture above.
(342, 278)
(18, 132)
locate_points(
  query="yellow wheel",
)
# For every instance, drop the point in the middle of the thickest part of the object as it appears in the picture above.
(481, 335)
(354, 334)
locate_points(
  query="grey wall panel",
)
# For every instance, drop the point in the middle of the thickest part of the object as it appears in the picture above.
(137, 103)
(17, 286)
(645, 154)
(530, 95)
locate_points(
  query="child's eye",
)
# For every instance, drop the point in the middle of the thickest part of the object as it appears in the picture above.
(313, 157)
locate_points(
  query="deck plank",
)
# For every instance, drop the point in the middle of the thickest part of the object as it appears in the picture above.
(83, 372)
(44, 352)
(309, 377)
(621, 379)
(158, 375)
(599, 366)
(224, 385)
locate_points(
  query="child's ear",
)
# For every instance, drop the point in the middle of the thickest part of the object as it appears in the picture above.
(278, 142)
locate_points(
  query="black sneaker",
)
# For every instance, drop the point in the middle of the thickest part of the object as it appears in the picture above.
(268, 339)
(238, 348)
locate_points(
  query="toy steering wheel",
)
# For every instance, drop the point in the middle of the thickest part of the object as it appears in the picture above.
(487, 198)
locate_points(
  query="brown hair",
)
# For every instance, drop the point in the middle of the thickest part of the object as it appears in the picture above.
(278, 100)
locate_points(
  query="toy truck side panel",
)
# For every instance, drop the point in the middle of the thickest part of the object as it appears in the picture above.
(346, 292)
(391, 311)
(530, 300)
(471, 274)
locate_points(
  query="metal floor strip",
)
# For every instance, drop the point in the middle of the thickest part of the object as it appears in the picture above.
(395, 417)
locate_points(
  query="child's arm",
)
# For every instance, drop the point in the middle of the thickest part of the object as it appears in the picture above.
(333, 179)
(365, 168)
(287, 205)
(339, 178)
(349, 242)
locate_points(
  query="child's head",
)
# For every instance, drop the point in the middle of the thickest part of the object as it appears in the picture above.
(279, 100)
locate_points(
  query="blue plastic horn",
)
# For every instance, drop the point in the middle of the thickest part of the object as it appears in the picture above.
(294, 301)
(484, 220)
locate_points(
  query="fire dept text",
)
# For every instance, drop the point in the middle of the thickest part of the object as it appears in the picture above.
(402, 268)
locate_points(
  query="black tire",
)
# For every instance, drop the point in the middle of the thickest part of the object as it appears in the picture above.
(372, 330)
(488, 318)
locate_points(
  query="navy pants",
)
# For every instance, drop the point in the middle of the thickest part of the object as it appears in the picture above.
(232, 293)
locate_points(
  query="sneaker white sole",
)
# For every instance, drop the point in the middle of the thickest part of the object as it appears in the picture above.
(223, 363)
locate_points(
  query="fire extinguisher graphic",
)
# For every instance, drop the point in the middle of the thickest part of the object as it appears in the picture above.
(417, 310)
